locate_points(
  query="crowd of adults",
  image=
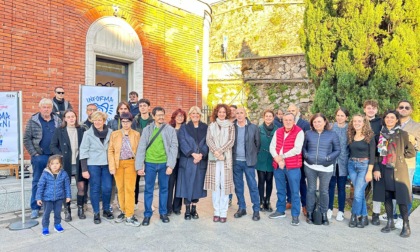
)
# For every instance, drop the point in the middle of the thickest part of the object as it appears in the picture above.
(190, 158)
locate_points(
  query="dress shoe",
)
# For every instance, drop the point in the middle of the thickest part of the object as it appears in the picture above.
(406, 231)
(360, 223)
(194, 213)
(187, 215)
(309, 218)
(288, 205)
(375, 219)
(177, 212)
(256, 216)
(223, 219)
(216, 218)
(325, 221)
(364, 220)
(169, 213)
(96, 218)
(146, 221)
(389, 226)
(164, 218)
(240, 213)
(353, 221)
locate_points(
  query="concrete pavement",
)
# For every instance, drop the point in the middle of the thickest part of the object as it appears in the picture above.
(203, 235)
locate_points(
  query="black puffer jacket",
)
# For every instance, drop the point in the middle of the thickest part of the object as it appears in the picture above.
(321, 148)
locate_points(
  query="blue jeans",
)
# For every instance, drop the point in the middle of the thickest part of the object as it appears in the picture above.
(52, 206)
(357, 171)
(340, 181)
(238, 179)
(293, 178)
(303, 189)
(100, 180)
(151, 170)
(39, 163)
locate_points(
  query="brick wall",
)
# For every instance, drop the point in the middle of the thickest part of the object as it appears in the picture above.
(42, 45)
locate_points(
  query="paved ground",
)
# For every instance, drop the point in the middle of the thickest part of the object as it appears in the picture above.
(203, 235)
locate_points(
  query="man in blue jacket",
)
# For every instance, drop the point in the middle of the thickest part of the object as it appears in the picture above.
(245, 150)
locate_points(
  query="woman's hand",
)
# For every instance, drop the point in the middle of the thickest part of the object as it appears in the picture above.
(377, 175)
(368, 177)
(112, 172)
(86, 174)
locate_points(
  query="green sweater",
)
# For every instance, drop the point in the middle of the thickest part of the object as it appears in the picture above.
(156, 153)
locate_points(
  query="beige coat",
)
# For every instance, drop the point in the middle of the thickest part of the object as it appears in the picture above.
(210, 179)
(413, 130)
(115, 144)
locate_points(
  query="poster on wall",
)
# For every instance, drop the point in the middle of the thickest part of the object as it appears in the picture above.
(106, 100)
(9, 128)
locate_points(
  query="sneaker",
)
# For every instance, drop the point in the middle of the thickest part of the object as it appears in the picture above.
(277, 215)
(295, 221)
(120, 218)
(108, 215)
(45, 232)
(329, 214)
(399, 223)
(132, 221)
(340, 216)
(58, 228)
(34, 214)
(383, 217)
(111, 210)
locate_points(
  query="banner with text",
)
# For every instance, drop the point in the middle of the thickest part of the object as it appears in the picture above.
(9, 128)
(105, 98)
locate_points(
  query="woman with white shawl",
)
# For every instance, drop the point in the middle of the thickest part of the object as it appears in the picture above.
(219, 177)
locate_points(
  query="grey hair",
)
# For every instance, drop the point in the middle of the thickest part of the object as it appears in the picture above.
(45, 101)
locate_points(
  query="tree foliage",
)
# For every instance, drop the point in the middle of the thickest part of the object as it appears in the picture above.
(362, 49)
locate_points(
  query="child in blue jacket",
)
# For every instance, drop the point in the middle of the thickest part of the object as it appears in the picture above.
(53, 189)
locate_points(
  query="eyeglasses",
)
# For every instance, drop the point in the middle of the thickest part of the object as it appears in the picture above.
(60, 92)
(404, 107)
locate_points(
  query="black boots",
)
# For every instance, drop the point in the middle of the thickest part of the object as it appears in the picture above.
(353, 221)
(80, 208)
(268, 207)
(309, 218)
(67, 212)
(389, 226)
(194, 213)
(325, 219)
(262, 206)
(187, 215)
(375, 219)
(361, 221)
(96, 218)
(81, 212)
(406, 231)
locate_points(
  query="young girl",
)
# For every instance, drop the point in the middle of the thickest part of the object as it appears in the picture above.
(53, 188)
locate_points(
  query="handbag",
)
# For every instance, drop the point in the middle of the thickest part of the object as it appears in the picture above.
(211, 157)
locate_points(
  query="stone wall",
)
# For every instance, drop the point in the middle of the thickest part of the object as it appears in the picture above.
(262, 83)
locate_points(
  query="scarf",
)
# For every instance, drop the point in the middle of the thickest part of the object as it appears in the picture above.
(220, 132)
(268, 129)
(101, 134)
(387, 146)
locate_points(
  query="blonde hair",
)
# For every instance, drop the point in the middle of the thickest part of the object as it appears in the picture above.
(98, 114)
(45, 101)
(196, 109)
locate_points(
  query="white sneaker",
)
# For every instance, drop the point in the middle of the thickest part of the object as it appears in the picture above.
(398, 223)
(329, 214)
(383, 217)
(340, 216)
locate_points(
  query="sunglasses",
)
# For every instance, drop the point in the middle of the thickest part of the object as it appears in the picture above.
(60, 92)
(406, 107)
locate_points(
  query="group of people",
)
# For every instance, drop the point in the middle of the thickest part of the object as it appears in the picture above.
(190, 158)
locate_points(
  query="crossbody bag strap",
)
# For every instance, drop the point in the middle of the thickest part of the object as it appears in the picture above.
(157, 134)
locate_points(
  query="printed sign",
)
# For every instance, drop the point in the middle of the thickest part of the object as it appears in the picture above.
(9, 128)
(105, 98)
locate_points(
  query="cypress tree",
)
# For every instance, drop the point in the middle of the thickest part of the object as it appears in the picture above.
(362, 49)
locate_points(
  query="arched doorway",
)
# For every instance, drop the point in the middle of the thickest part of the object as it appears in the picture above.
(111, 43)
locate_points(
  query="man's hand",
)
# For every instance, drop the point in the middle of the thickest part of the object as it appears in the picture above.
(169, 170)
(141, 173)
(278, 159)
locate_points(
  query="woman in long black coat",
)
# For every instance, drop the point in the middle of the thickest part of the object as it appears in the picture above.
(391, 180)
(192, 162)
(66, 142)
